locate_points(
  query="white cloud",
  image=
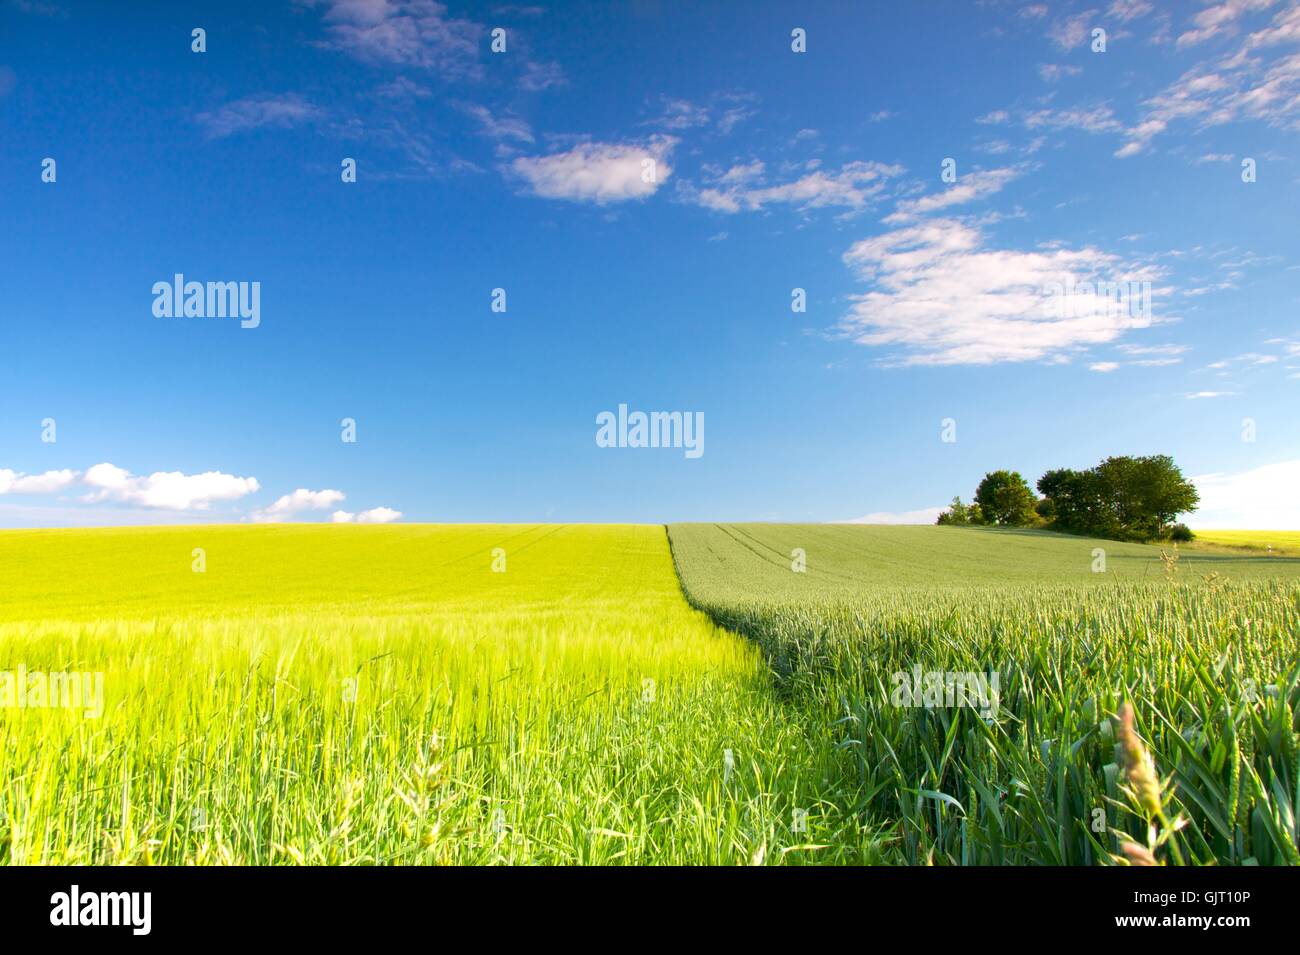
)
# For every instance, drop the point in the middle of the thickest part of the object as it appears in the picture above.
(15, 482)
(945, 298)
(253, 112)
(1103, 366)
(1196, 395)
(300, 500)
(167, 490)
(163, 491)
(743, 188)
(1262, 498)
(375, 515)
(924, 515)
(598, 172)
(967, 188)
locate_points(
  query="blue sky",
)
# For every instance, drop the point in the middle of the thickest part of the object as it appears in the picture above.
(648, 182)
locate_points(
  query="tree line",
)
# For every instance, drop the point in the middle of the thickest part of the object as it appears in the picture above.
(1124, 498)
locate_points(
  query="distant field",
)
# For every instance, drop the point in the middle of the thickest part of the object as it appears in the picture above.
(847, 559)
(329, 694)
(1207, 648)
(1282, 542)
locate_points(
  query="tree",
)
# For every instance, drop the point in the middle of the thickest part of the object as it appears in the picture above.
(1123, 497)
(1078, 502)
(1162, 493)
(957, 513)
(1004, 498)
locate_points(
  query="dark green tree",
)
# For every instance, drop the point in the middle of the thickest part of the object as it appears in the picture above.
(1162, 493)
(1123, 497)
(1004, 498)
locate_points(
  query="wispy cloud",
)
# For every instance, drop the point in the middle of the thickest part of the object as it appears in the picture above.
(968, 188)
(1090, 118)
(38, 8)
(1126, 10)
(1053, 72)
(747, 187)
(538, 77)
(1219, 18)
(1250, 84)
(719, 113)
(410, 33)
(284, 111)
(498, 126)
(1153, 356)
(678, 114)
(1071, 31)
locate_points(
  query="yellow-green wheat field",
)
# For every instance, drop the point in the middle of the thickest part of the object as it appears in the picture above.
(384, 695)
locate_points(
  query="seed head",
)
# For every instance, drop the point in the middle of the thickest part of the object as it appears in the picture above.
(1138, 766)
(1137, 855)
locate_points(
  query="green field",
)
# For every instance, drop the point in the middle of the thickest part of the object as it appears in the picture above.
(394, 694)
(1205, 647)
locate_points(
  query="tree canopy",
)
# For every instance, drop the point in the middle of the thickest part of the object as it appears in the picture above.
(1005, 498)
(1122, 497)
